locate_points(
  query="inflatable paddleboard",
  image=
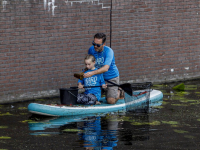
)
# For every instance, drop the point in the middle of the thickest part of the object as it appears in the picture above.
(63, 110)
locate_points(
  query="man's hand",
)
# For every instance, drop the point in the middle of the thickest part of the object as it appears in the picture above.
(88, 74)
(104, 86)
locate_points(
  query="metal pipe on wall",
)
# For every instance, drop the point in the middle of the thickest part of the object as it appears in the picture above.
(110, 23)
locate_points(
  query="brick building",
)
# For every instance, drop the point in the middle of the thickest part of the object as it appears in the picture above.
(43, 43)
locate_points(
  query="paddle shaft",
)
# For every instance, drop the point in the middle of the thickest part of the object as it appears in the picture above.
(95, 86)
(112, 83)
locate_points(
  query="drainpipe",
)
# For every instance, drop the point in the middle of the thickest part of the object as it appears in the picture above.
(110, 22)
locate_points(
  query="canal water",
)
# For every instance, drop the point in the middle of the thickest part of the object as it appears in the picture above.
(172, 123)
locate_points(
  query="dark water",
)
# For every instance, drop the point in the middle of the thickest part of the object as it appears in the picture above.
(173, 123)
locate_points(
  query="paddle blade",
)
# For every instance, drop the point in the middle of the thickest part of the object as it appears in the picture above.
(127, 88)
(79, 75)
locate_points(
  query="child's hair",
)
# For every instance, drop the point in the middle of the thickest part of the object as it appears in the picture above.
(91, 57)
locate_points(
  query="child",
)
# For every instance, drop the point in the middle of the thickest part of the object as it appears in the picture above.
(91, 96)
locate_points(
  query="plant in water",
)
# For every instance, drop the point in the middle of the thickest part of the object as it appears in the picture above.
(179, 87)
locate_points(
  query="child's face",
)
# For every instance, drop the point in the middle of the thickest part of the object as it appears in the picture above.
(89, 64)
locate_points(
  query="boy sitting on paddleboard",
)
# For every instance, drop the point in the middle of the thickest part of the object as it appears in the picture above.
(91, 96)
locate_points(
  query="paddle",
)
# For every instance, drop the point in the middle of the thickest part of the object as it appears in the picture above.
(123, 86)
(126, 86)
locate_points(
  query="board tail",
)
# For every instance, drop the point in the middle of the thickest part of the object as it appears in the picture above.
(141, 92)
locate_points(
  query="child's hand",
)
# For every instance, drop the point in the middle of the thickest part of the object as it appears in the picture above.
(80, 86)
(104, 86)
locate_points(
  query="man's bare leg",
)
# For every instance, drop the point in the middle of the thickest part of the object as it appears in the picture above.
(111, 100)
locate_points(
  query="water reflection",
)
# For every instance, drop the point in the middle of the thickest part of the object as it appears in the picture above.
(96, 132)
(93, 136)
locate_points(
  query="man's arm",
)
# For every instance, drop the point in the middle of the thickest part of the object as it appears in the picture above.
(99, 71)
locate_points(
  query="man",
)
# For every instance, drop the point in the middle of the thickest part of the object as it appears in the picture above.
(105, 62)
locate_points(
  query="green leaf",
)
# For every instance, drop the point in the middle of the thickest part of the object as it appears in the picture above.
(179, 87)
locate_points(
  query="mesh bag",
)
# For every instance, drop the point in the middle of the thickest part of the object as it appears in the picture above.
(140, 98)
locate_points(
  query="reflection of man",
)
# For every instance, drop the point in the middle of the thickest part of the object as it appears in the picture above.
(94, 137)
(105, 62)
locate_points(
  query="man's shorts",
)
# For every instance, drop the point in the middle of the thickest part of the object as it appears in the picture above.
(87, 99)
(112, 91)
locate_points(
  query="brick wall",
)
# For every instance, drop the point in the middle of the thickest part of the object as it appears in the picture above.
(43, 43)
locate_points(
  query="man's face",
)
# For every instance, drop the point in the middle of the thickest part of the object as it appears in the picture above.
(99, 42)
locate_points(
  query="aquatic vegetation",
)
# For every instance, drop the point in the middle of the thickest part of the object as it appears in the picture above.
(156, 107)
(179, 98)
(158, 86)
(153, 123)
(43, 134)
(179, 105)
(179, 87)
(23, 113)
(175, 125)
(170, 122)
(187, 101)
(25, 121)
(165, 103)
(183, 87)
(189, 136)
(4, 137)
(180, 131)
(181, 93)
(6, 114)
(190, 87)
(72, 130)
(22, 108)
(3, 127)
